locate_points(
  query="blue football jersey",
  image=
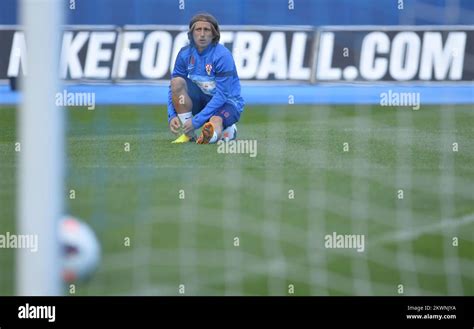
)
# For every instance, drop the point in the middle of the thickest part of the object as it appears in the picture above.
(214, 72)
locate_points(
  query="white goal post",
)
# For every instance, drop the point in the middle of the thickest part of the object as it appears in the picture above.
(41, 160)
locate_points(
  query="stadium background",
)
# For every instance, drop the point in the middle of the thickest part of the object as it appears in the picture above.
(300, 149)
(305, 12)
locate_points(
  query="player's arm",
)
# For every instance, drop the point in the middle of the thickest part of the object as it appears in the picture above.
(225, 70)
(178, 71)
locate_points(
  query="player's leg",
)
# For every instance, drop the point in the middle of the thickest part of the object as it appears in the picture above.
(184, 99)
(229, 133)
(224, 118)
(210, 131)
(230, 116)
(181, 101)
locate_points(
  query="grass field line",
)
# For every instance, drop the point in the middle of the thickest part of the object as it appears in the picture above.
(293, 233)
(422, 230)
(340, 205)
(248, 225)
(295, 271)
(253, 265)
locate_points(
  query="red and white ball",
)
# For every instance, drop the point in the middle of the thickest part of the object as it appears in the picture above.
(80, 250)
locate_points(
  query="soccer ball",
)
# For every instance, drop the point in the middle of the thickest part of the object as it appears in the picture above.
(80, 250)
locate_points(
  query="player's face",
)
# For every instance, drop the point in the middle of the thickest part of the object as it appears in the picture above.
(202, 35)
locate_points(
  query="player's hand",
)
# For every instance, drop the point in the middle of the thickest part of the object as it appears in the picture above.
(174, 125)
(188, 127)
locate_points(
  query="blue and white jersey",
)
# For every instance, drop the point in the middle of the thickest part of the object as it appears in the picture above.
(214, 72)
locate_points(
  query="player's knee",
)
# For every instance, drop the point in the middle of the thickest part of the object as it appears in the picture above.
(216, 120)
(178, 85)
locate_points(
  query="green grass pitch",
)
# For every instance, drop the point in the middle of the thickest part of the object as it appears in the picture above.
(230, 224)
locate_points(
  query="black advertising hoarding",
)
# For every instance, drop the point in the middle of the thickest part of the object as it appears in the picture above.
(7, 52)
(395, 54)
(147, 53)
(262, 54)
(86, 53)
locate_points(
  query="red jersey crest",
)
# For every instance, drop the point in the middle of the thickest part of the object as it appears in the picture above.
(208, 69)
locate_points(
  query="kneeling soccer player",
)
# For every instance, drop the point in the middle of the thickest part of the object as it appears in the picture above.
(205, 88)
